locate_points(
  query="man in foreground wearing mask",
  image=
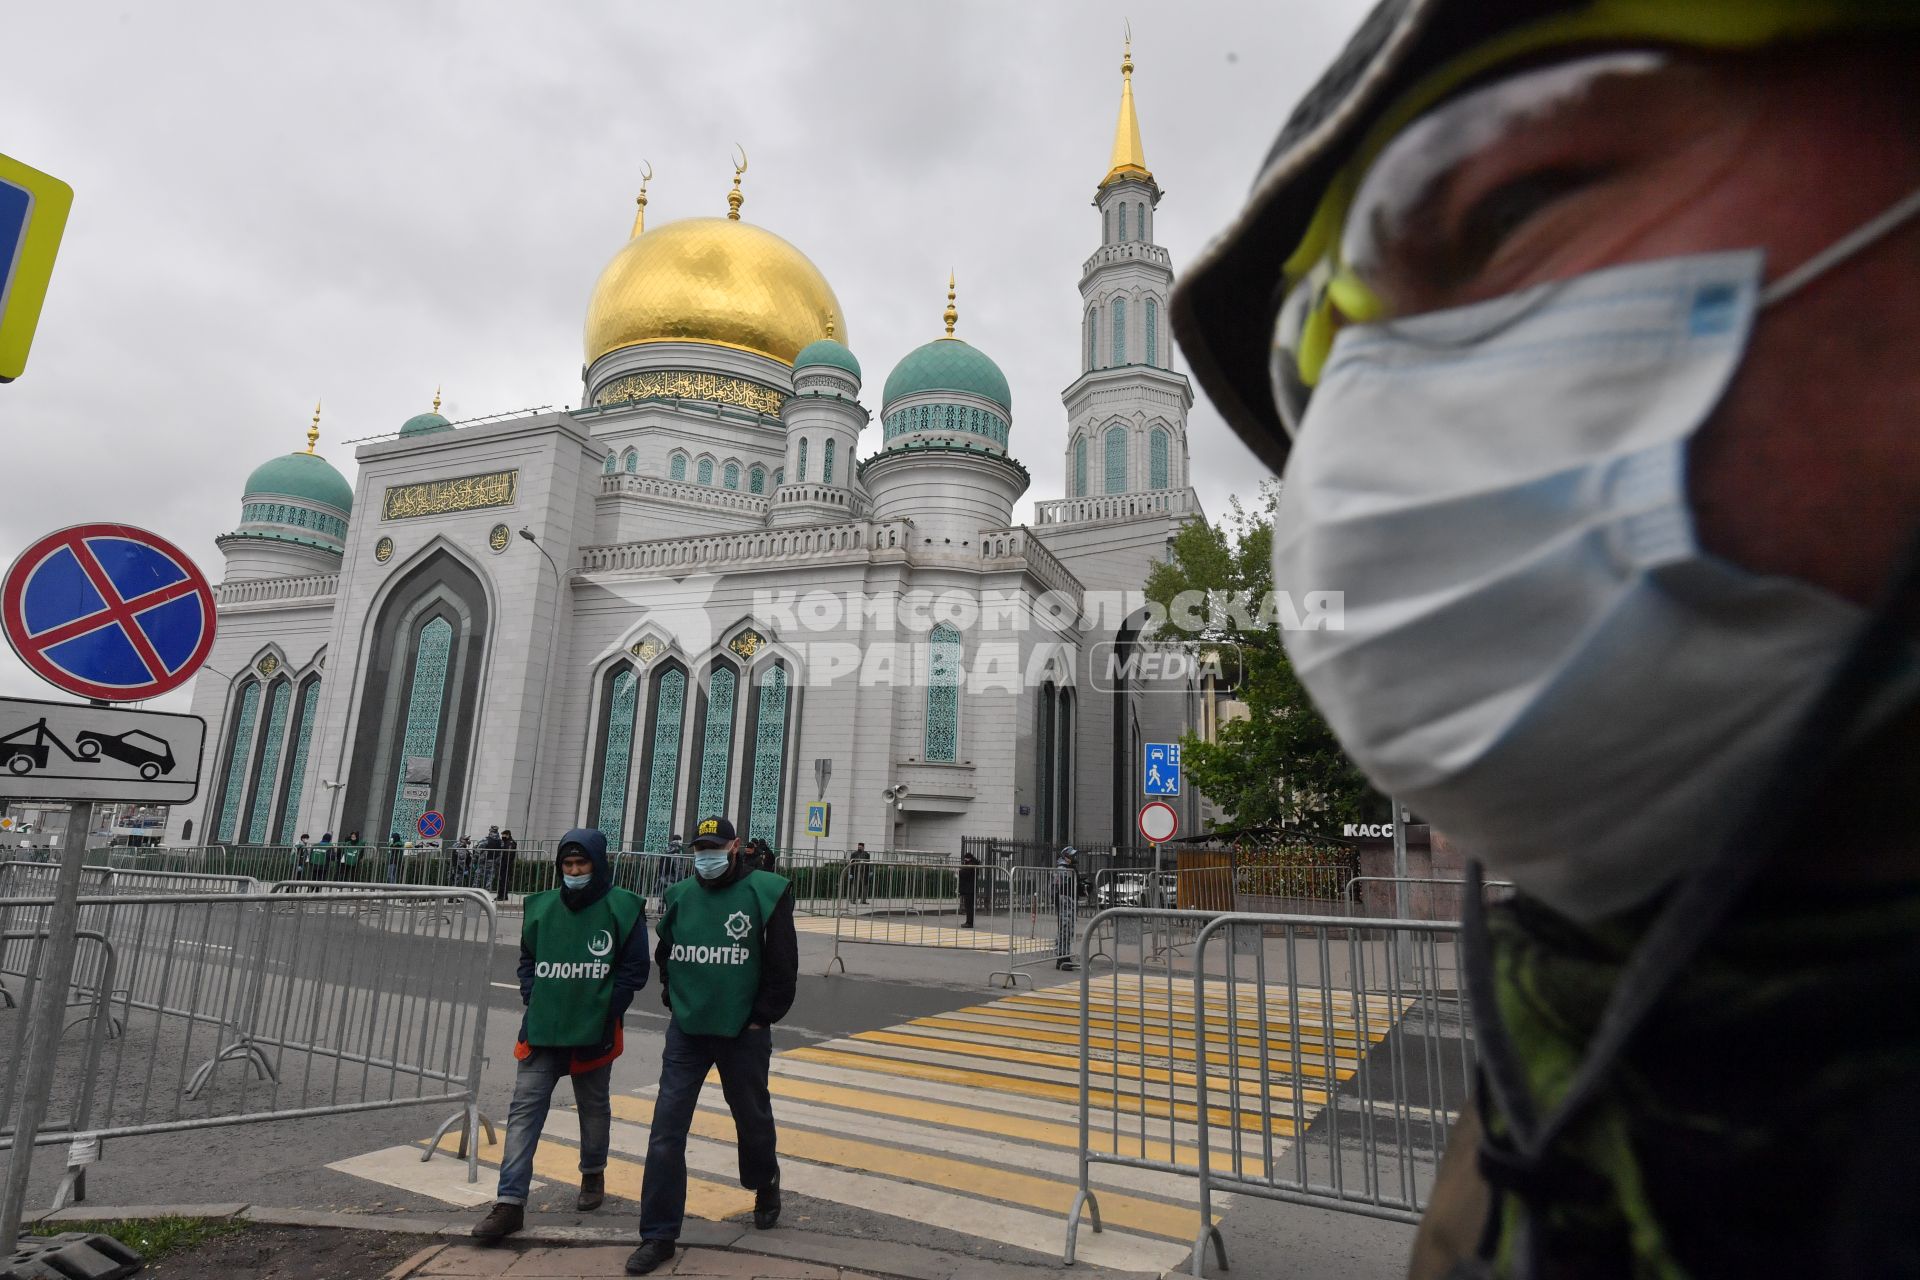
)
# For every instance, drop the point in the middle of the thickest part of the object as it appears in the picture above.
(583, 954)
(1586, 335)
(728, 959)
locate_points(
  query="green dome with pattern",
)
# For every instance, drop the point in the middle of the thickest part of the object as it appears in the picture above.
(423, 424)
(826, 351)
(305, 476)
(947, 364)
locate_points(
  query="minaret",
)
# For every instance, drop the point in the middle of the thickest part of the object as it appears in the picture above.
(1127, 411)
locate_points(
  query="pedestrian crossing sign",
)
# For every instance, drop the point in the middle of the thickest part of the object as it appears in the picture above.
(1160, 775)
(819, 812)
(33, 215)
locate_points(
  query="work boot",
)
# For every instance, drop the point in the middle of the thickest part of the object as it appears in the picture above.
(766, 1205)
(649, 1256)
(502, 1221)
(593, 1190)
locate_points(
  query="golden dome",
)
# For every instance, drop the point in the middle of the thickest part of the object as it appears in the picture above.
(712, 280)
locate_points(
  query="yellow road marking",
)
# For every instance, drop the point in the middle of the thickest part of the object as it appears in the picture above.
(1061, 1062)
(1157, 1045)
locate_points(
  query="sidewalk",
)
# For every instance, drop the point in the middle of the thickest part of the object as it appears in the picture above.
(591, 1262)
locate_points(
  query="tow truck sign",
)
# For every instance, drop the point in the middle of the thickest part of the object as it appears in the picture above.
(70, 752)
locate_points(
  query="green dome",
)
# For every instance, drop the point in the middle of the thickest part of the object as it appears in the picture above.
(421, 424)
(947, 364)
(306, 476)
(827, 351)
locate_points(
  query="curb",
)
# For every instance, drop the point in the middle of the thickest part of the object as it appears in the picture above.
(876, 1257)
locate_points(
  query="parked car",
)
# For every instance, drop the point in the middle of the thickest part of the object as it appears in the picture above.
(1129, 888)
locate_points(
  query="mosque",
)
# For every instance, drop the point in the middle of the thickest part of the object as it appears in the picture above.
(693, 594)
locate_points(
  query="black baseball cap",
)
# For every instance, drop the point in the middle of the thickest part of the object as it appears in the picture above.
(713, 833)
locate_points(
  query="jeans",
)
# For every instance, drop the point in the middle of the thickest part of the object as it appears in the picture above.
(684, 1063)
(533, 1087)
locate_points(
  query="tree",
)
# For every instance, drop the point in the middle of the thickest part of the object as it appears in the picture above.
(1282, 764)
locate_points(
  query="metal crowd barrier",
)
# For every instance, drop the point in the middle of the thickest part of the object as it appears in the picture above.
(918, 904)
(1284, 889)
(1318, 1060)
(335, 1003)
(1414, 897)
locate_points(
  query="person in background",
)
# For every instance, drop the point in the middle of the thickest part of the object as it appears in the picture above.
(583, 955)
(396, 858)
(764, 859)
(302, 850)
(350, 851)
(1585, 333)
(728, 960)
(509, 855)
(1066, 906)
(463, 861)
(968, 874)
(860, 873)
(320, 860)
(487, 862)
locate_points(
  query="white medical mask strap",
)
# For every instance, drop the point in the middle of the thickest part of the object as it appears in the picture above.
(1850, 245)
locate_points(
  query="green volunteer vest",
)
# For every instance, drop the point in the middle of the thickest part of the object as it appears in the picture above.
(350, 854)
(574, 956)
(717, 937)
(317, 854)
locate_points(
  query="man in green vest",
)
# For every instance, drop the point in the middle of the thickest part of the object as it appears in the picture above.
(583, 954)
(728, 958)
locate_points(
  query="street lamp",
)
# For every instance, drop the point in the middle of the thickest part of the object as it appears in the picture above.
(553, 646)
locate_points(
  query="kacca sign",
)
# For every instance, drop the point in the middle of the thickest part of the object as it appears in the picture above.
(33, 216)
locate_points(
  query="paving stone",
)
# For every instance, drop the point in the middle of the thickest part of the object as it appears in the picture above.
(411, 1265)
(600, 1260)
(712, 1262)
(468, 1260)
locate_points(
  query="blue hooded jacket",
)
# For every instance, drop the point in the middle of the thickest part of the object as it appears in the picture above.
(633, 965)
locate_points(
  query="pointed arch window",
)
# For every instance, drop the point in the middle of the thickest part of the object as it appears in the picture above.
(779, 476)
(425, 703)
(769, 756)
(705, 472)
(663, 769)
(616, 756)
(730, 475)
(249, 704)
(757, 480)
(632, 462)
(266, 774)
(1116, 459)
(1106, 226)
(716, 742)
(800, 471)
(611, 465)
(1119, 309)
(1080, 467)
(1093, 333)
(1157, 459)
(826, 463)
(677, 467)
(943, 695)
(302, 747)
(1153, 332)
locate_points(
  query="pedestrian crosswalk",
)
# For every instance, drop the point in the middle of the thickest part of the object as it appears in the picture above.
(969, 1120)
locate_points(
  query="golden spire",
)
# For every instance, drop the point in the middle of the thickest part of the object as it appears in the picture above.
(313, 428)
(952, 314)
(436, 399)
(734, 198)
(1129, 158)
(640, 214)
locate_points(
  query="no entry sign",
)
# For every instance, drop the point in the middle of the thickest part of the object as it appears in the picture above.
(109, 612)
(1158, 822)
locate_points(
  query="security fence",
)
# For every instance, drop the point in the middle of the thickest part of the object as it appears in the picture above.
(211, 1009)
(1318, 1060)
(926, 904)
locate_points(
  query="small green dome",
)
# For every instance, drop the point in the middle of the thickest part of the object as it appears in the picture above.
(422, 424)
(306, 476)
(827, 351)
(948, 364)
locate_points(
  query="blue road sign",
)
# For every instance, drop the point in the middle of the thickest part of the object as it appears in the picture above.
(108, 612)
(33, 215)
(1161, 774)
(431, 824)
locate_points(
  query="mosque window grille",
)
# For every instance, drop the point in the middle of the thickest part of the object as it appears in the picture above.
(1119, 310)
(630, 462)
(249, 704)
(611, 465)
(826, 462)
(1080, 467)
(800, 468)
(757, 480)
(1123, 219)
(717, 745)
(1116, 459)
(1157, 459)
(297, 771)
(779, 476)
(1153, 332)
(769, 748)
(669, 715)
(266, 774)
(616, 764)
(1093, 336)
(1106, 226)
(730, 475)
(425, 703)
(704, 473)
(943, 695)
(677, 467)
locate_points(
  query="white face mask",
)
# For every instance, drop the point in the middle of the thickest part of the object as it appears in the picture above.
(1538, 657)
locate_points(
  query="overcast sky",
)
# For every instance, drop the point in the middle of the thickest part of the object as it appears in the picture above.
(356, 203)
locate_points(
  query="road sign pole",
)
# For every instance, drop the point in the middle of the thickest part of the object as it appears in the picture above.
(43, 1037)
